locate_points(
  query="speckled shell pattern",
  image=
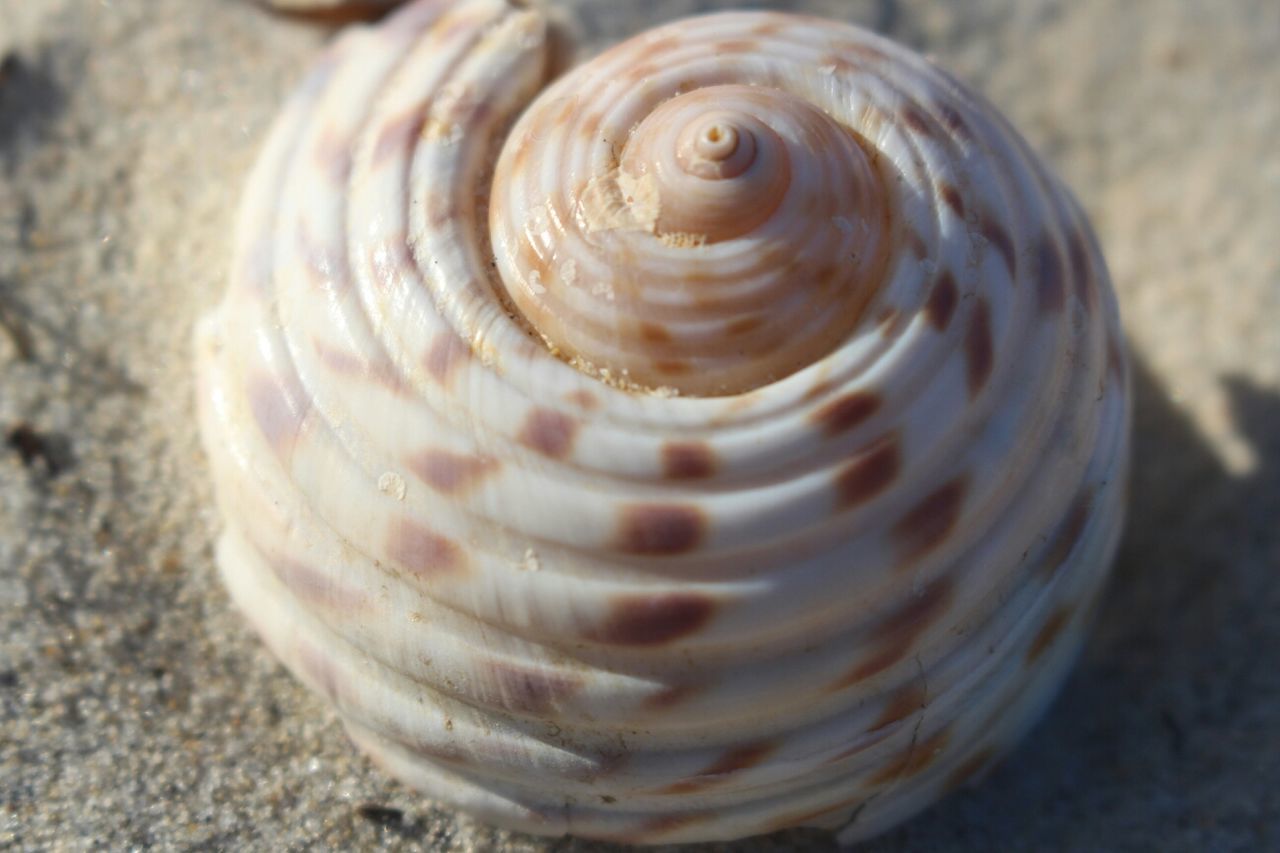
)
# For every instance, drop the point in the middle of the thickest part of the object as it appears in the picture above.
(569, 601)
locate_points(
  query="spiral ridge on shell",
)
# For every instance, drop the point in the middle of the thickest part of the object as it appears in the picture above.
(726, 436)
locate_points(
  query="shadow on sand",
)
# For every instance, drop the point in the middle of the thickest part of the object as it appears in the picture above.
(1161, 739)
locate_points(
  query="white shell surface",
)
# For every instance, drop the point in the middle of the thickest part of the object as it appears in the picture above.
(574, 602)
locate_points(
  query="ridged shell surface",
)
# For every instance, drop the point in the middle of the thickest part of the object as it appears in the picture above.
(728, 436)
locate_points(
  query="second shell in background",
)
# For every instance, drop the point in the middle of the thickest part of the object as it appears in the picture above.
(328, 9)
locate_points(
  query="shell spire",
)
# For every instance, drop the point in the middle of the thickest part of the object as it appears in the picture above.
(732, 238)
(729, 435)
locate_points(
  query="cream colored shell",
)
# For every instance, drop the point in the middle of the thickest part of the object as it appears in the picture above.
(602, 501)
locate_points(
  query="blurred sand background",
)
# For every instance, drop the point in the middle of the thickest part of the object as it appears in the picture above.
(137, 710)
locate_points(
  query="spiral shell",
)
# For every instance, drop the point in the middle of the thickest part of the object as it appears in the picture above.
(736, 441)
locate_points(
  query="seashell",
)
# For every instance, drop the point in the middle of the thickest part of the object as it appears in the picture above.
(729, 435)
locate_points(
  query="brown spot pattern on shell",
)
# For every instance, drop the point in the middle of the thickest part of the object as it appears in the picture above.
(735, 458)
(906, 702)
(978, 347)
(734, 760)
(653, 620)
(450, 473)
(687, 460)
(422, 552)
(846, 412)
(549, 432)
(447, 353)
(869, 474)
(1048, 634)
(942, 301)
(528, 691)
(657, 529)
(928, 523)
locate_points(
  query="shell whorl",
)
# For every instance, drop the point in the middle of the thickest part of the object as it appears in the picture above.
(708, 239)
(833, 566)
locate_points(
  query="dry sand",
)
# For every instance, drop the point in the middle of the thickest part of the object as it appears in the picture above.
(137, 710)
